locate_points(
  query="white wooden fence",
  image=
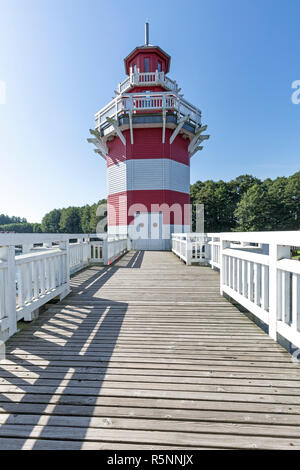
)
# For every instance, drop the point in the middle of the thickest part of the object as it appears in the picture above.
(256, 270)
(190, 247)
(35, 268)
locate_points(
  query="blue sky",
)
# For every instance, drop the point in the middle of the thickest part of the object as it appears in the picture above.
(62, 59)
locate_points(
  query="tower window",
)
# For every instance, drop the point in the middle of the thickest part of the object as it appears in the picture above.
(134, 68)
(146, 65)
(159, 66)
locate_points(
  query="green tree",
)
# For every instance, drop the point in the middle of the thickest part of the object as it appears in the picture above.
(51, 221)
(6, 219)
(219, 204)
(280, 216)
(292, 194)
(85, 216)
(242, 183)
(70, 220)
(23, 227)
(94, 218)
(253, 212)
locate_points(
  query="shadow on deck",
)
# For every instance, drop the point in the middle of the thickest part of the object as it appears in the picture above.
(146, 354)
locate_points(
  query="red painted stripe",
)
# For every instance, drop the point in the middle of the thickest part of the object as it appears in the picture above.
(173, 205)
(117, 209)
(148, 144)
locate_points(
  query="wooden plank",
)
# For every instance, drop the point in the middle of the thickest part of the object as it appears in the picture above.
(151, 437)
(140, 355)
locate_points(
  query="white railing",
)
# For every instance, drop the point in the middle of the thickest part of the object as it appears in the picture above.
(213, 250)
(116, 247)
(190, 247)
(154, 101)
(79, 254)
(256, 270)
(145, 79)
(96, 252)
(35, 268)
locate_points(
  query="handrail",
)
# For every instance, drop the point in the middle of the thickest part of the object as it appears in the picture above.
(147, 79)
(157, 101)
(261, 277)
(42, 271)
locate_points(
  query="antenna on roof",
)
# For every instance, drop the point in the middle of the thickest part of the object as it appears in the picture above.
(147, 33)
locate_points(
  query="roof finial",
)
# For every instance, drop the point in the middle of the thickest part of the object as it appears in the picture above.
(147, 33)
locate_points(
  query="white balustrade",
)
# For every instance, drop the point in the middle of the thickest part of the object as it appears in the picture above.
(213, 252)
(156, 101)
(42, 272)
(190, 247)
(39, 275)
(147, 79)
(97, 254)
(116, 247)
(79, 255)
(256, 270)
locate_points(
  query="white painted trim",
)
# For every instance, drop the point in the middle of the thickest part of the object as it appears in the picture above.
(115, 125)
(148, 174)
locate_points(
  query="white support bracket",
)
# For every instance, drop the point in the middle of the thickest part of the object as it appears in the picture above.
(114, 123)
(198, 141)
(99, 143)
(131, 128)
(194, 140)
(179, 126)
(164, 126)
(96, 134)
(196, 150)
(100, 153)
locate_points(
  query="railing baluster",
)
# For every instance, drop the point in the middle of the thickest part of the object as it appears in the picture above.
(296, 302)
(28, 272)
(42, 276)
(250, 282)
(265, 288)
(285, 296)
(35, 267)
(2, 292)
(21, 293)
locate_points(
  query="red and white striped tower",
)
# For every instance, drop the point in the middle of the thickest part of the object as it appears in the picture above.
(147, 134)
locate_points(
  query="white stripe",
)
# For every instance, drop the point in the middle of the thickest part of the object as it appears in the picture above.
(166, 229)
(148, 174)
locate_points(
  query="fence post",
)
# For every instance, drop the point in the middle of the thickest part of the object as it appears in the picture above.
(65, 246)
(105, 251)
(8, 254)
(26, 248)
(188, 250)
(276, 252)
(89, 249)
(208, 249)
(81, 254)
(223, 244)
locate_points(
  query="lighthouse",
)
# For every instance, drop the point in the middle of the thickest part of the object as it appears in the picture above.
(147, 135)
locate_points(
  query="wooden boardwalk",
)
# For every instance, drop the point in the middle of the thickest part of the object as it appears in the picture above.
(146, 354)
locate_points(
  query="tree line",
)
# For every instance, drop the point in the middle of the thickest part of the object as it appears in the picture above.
(5, 219)
(243, 204)
(72, 219)
(67, 220)
(249, 204)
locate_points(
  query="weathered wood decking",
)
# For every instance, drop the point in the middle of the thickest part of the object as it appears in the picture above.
(147, 354)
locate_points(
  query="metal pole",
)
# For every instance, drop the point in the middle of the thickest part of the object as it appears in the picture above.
(146, 33)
